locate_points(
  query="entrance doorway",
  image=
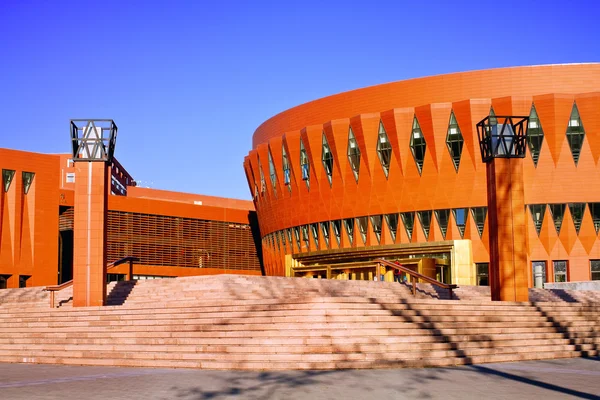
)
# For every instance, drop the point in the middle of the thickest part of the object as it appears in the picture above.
(65, 256)
(539, 273)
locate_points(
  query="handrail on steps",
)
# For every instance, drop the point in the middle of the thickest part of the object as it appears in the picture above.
(415, 275)
(56, 288)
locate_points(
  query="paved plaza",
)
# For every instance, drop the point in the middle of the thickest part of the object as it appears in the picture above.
(553, 379)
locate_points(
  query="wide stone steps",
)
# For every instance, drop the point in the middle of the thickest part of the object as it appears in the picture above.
(378, 360)
(234, 322)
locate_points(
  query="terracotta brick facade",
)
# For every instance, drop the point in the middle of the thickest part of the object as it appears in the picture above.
(170, 232)
(284, 209)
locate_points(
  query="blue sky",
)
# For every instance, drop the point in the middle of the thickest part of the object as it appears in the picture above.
(188, 82)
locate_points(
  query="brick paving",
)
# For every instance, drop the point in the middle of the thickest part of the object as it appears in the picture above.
(550, 379)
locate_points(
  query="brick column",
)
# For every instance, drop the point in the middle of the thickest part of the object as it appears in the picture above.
(506, 216)
(89, 242)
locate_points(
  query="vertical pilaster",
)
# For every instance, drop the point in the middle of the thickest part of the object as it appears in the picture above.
(89, 247)
(506, 213)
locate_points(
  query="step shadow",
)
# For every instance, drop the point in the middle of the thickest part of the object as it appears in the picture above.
(119, 293)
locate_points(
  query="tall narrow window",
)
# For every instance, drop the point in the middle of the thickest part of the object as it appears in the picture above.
(272, 173)
(595, 270)
(539, 273)
(337, 230)
(325, 231)
(353, 154)
(460, 217)
(286, 168)
(408, 220)
(304, 164)
(363, 226)
(327, 158)
(305, 239)
(442, 217)
(384, 149)
(349, 223)
(595, 212)
(277, 241)
(27, 181)
(392, 223)
(575, 133)
(537, 213)
(454, 141)
(577, 210)
(483, 273)
(418, 144)
(425, 220)
(479, 214)
(263, 184)
(560, 271)
(535, 135)
(297, 236)
(314, 228)
(558, 212)
(376, 223)
(7, 178)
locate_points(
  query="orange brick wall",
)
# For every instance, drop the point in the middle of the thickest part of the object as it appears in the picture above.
(29, 222)
(556, 179)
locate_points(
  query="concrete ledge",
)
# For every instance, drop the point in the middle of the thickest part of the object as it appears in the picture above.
(584, 285)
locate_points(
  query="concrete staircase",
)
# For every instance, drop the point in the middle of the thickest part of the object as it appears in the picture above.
(270, 323)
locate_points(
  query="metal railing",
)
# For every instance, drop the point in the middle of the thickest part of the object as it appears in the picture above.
(415, 275)
(57, 288)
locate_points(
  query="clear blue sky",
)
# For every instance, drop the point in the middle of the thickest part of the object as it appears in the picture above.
(188, 82)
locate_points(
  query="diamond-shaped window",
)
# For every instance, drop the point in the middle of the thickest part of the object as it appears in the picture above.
(349, 223)
(575, 133)
(418, 144)
(425, 220)
(325, 232)
(595, 212)
(285, 162)
(376, 223)
(408, 220)
(537, 214)
(327, 158)
(454, 141)
(353, 153)
(577, 210)
(314, 228)
(558, 212)
(289, 237)
(384, 149)
(305, 238)
(297, 236)
(460, 217)
(277, 241)
(493, 119)
(263, 183)
(272, 173)
(363, 226)
(304, 164)
(337, 230)
(442, 217)
(392, 223)
(7, 178)
(479, 214)
(535, 136)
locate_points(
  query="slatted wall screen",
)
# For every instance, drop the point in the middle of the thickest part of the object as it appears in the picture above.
(180, 242)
